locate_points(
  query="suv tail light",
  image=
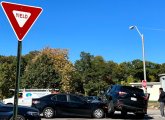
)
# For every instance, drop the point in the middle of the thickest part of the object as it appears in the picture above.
(122, 93)
(35, 101)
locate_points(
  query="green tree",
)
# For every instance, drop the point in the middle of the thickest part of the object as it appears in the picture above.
(98, 74)
(137, 71)
(40, 73)
(152, 71)
(7, 74)
(162, 69)
(109, 73)
(49, 66)
(120, 73)
(90, 69)
(84, 70)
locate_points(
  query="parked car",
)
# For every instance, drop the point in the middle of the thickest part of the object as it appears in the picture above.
(126, 99)
(68, 105)
(93, 99)
(24, 113)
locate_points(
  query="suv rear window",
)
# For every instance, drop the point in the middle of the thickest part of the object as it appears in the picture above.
(132, 90)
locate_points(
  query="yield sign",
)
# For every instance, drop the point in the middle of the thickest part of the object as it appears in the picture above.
(21, 17)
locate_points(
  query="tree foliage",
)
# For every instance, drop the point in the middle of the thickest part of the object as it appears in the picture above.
(88, 75)
(48, 66)
(7, 74)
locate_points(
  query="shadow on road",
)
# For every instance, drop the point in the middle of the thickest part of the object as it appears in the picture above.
(130, 117)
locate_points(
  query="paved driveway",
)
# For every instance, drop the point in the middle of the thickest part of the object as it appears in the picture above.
(152, 114)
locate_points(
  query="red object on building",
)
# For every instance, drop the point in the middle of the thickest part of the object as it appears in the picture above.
(21, 17)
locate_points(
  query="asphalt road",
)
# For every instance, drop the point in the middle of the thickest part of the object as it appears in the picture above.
(152, 114)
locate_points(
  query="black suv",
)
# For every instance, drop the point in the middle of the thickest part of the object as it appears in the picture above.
(126, 99)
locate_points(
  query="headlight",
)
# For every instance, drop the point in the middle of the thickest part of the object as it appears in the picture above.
(33, 113)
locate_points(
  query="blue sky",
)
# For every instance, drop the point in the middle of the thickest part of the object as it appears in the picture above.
(100, 27)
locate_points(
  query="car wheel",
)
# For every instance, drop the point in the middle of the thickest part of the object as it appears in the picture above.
(111, 108)
(19, 117)
(48, 112)
(9, 103)
(98, 113)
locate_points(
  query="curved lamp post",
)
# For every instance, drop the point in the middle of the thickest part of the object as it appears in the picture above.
(144, 66)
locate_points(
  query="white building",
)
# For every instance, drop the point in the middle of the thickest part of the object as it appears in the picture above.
(162, 80)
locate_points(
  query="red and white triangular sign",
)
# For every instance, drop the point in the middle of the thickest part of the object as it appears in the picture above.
(21, 17)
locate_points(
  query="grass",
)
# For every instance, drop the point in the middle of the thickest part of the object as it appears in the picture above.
(153, 104)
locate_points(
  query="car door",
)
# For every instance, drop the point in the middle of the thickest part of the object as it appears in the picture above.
(78, 107)
(61, 104)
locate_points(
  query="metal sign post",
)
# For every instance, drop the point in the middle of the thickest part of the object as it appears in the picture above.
(15, 110)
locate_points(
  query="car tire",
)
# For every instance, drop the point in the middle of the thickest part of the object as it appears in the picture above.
(9, 103)
(19, 117)
(111, 109)
(48, 112)
(98, 113)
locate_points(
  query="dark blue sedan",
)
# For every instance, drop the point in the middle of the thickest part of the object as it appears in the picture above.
(24, 113)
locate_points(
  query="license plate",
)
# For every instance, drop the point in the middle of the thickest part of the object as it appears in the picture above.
(133, 99)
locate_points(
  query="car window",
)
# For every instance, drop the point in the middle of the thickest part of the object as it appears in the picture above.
(62, 98)
(54, 98)
(113, 89)
(47, 97)
(75, 99)
(133, 90)
(109, 89)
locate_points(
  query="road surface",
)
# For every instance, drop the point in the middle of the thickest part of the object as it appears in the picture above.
(153, 114)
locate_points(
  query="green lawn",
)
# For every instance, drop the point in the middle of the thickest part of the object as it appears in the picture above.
(153, 104)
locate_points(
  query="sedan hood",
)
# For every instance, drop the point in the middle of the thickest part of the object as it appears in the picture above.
(20, 108)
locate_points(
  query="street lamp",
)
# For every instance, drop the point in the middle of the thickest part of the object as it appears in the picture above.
(144, 66)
